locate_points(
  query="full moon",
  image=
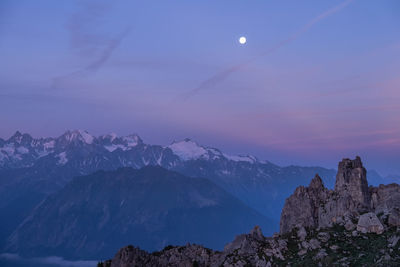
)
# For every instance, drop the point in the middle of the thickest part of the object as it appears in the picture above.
(242, 40)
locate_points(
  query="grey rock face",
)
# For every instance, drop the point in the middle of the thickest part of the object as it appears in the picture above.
(351, 179)
(301, 208)
(302, 234)
(386, 199)
(257, 233)
(394, 217)
(317, 207)
(369, 223)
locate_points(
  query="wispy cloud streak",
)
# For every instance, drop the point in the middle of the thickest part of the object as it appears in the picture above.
(220, 76)
(86, 42)
(96, 64)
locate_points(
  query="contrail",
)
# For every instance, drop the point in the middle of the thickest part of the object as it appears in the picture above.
(96, 64)
(87, 42)
(220, 76)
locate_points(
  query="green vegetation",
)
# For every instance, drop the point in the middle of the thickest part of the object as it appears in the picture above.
(344, 248)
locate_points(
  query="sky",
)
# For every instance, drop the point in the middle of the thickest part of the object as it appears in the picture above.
(317, 81)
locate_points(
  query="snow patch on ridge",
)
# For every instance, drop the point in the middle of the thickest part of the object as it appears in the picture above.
(188, 150)
(8, 149)
(80, 135)
(111, 148)
(49, 144)
(247, 158)
(131, 140)
(62, 158)
(22, 150)
(112, 136)
(86, 137)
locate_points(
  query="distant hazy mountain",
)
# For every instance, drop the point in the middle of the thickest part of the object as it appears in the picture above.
(32, 168)
(94, 215)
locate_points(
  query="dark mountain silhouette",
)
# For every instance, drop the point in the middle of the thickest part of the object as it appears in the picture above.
(94, 215)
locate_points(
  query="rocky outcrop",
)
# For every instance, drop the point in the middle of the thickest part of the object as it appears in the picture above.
(188, 255)
(385, 200)
(251, 249)
(329, 247)
(317, 207)
(301, 208)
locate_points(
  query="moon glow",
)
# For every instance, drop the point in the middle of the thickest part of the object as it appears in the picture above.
(242, 40)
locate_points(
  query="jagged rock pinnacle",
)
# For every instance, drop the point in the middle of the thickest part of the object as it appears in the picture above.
(316, 182)
(351, 179)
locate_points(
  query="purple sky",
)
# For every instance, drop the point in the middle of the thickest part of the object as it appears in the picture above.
(317, 80)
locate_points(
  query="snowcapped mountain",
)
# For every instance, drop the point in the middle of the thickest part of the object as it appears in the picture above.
(190, 150)
(21, 150)
(57, 160)
(31, 169)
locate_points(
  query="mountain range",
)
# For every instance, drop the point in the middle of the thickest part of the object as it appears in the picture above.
(33, 169)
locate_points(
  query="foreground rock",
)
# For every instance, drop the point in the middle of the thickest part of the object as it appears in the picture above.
(328, 247)
(369, 223)
(352, 225)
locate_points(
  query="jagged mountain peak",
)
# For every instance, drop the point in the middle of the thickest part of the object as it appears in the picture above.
(133, 139)
(185, 140)
(111, 137)
(316, 182)
(78, 135)
(18, 138)
(22, 150)
(187, 149)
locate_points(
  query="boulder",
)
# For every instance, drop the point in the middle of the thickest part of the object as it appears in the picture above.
(323, 236)
(314, 244)
(302, 233)
(349, 226)
(369, 223)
